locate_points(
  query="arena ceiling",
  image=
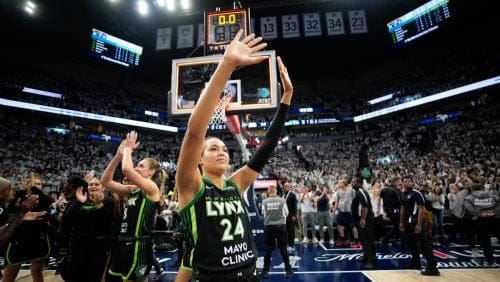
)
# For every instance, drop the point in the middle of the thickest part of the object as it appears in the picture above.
(61, 29)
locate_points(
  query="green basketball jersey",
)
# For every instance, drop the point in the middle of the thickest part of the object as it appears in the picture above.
(217, 230)
(138, 216)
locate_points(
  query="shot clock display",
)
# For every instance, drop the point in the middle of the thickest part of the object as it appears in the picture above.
(222, 26)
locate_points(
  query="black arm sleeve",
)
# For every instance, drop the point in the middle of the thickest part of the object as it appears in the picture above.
(261, 156)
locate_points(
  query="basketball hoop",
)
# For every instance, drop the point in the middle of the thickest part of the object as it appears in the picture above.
(219, 115)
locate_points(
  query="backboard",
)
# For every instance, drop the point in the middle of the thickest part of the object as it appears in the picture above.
(254, 88)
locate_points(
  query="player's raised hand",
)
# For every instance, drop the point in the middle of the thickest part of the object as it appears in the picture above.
(240, 51)
(286, 81)
(131, 141)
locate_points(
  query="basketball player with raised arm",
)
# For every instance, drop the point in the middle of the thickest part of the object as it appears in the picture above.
(219, 240)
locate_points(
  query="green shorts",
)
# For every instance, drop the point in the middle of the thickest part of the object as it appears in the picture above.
(132, 259)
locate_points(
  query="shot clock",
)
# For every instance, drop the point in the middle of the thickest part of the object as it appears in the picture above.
(222, 26)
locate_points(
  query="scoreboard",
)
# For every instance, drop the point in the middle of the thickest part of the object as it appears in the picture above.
(222, 26)
(418, 22)
(113, 49)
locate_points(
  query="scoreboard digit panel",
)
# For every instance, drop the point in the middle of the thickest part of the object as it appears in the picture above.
(222, 26)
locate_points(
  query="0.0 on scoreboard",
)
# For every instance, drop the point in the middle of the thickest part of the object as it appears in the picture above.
(222, 26)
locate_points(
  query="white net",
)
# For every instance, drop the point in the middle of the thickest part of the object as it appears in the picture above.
(219, 115)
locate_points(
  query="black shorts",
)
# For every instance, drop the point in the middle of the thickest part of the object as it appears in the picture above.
(22, 250)
(132, 259)
(245, 274)
(345, 219)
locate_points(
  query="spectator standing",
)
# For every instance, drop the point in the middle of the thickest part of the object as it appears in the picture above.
(437, 200)
(453, 199)
(485, 209)
(463, 217)
(378, 212)
(323, 214)
(343, 202)
(308, 210)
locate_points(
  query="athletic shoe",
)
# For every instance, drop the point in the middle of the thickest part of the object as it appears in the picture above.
(331, 242)
(356, 245)
(305, 241)
(315, 240)
(430, 272)
(290, 249)
(321, 241)
(369, 265)
(341, 244)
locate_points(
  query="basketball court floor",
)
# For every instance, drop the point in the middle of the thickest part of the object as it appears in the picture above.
(322, 262)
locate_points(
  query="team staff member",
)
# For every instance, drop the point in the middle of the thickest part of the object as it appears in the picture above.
(362, 214)
(215, 223)
(87, 223)
(275, 212)
(291, 219)
(412, 222)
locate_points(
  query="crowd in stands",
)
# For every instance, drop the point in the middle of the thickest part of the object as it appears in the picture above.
(421, 79)
(452, 148)
(388, 138)
(398, 146)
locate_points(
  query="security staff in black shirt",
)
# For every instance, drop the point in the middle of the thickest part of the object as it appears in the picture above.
(291, 219)
(362, 213)
(412, 223)
(391, 195)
